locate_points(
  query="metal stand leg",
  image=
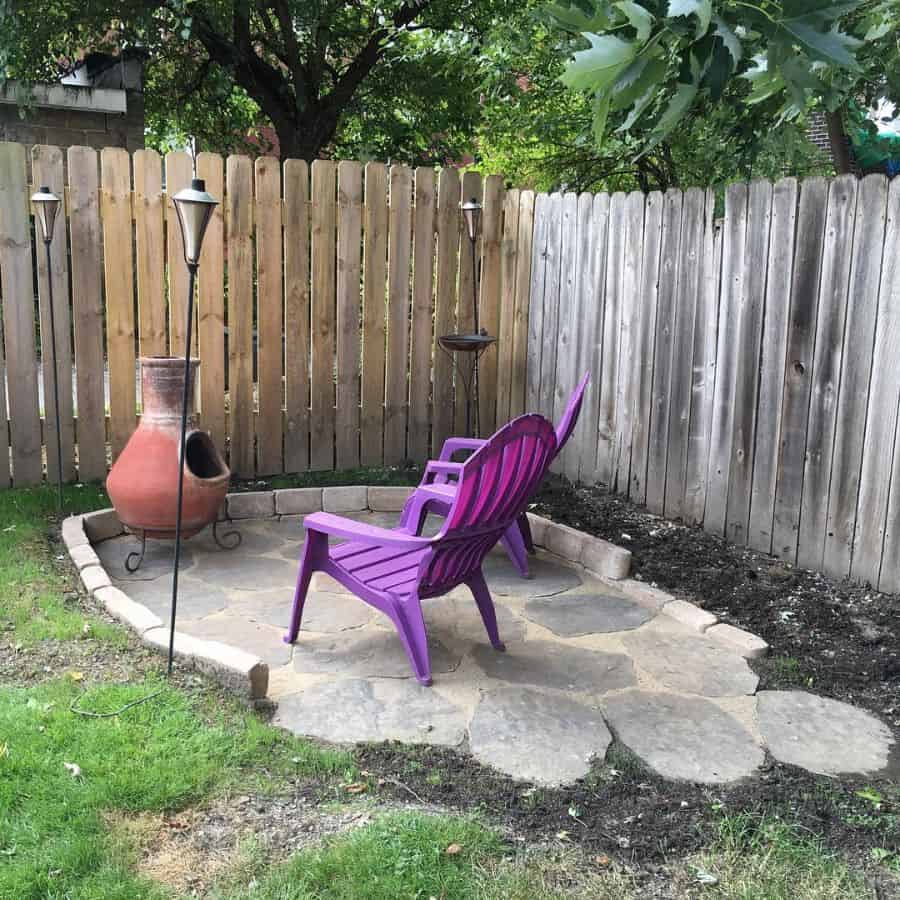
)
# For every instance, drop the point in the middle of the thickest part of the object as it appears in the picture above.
(228, 540)
(131, 566)
(469, 381)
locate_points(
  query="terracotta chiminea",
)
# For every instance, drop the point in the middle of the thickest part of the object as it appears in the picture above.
(143, 482)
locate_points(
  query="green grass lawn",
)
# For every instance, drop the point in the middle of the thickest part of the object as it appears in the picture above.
(71, 784)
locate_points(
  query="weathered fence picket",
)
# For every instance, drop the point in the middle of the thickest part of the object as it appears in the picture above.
(115, 210)
(239, 190)
(421, 339)
(322, 317)
(211, 305)
(296, 315)
(350, 198)
(47, 169)
(87, 311)
(18, 317)
(269, 317)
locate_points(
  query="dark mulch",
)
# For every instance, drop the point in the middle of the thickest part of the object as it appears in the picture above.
(837, 639)
(624, 811)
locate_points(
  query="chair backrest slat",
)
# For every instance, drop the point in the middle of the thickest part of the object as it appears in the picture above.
(573, 409)
(494, 486)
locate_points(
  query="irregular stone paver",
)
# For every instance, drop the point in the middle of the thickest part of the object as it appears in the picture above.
(355, 710)
(547, 577)
(244, 571)
(458, 617)
(348, 678)
(690, 663)
(822, 735)
(324, 613)
(255, 538)
(195, 599)
(554, 665)
(260, 640)
(369, 654)
(537, 737)
(571, 615)
(688, 738)
(157, 558)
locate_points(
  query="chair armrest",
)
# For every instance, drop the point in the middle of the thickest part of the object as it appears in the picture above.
(452, 445)
(438, 470)
(338, 526)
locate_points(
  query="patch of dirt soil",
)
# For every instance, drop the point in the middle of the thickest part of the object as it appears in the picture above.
(189, 850)
(838, 639)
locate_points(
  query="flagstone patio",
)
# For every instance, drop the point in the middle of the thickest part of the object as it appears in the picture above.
(583, 662)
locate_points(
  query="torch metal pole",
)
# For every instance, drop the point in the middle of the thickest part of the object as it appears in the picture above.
(185, 399)
(59, 472)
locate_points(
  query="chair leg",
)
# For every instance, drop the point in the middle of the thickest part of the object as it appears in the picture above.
(411, 627)
(525, 529)
(514, 545)
(478, 586)
(309, 562)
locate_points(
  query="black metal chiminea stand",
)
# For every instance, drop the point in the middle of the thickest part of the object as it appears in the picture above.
(472, 345)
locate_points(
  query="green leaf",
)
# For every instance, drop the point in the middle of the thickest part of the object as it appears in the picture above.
(831, 46)
(596, 68)
(765, 82)
(601, 114)
(729, 38)
(679, 104)
(878, 30)
(639, 18)
(702, 9)
(640, 106)
(574, 20)
(797, 9)
(645, 72)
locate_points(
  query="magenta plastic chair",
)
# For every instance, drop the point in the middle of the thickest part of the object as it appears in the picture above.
(394, 570)
(436, 484)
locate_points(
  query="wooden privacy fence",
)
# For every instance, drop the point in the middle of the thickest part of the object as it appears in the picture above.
(332, 282)
(745, 372)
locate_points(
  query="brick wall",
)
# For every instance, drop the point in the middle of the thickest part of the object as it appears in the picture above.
(76, 128)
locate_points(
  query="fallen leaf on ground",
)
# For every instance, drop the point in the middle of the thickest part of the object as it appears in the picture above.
(603, 860)
(454, 850)
(76, 676)
(358, 787)
(705, 877)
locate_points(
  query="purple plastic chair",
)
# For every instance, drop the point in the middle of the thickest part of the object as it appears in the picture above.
(435, 483)
(393, 569)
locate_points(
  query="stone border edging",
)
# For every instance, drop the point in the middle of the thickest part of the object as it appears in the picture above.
(248, 675)
(244, 673)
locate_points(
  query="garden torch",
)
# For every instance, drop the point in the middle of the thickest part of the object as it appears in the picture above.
(47, 205)
(195, 208)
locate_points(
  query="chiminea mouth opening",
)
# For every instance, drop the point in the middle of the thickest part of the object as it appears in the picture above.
(201, 457)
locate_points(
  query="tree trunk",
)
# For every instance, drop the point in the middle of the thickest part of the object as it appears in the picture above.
(840, 146)
(307, 137)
